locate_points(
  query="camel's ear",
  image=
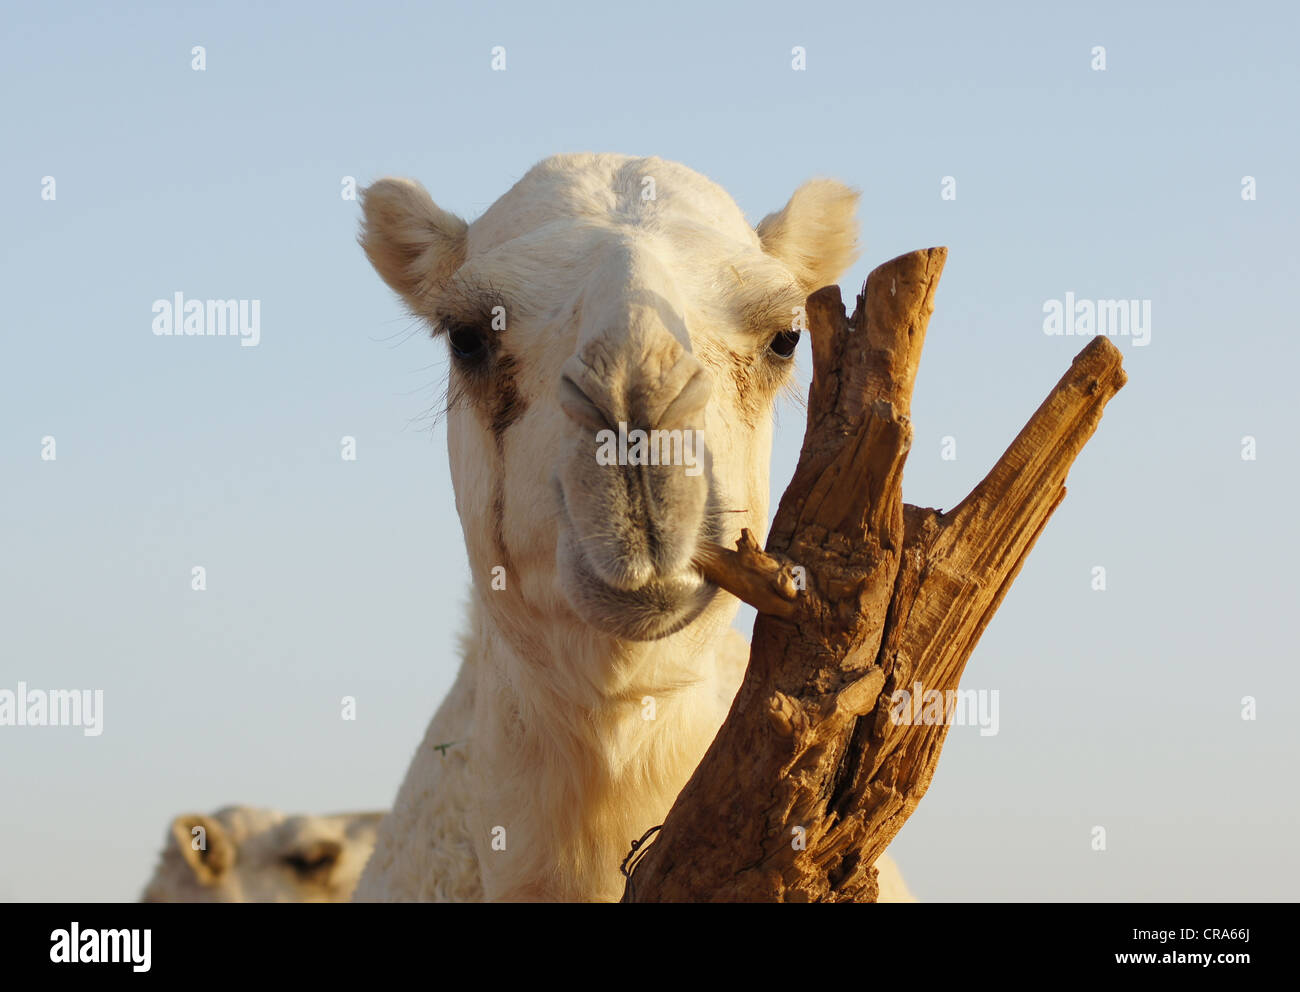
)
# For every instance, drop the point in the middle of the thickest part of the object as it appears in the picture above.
(204, 846)
(364, 826)
(816, 233)
(413, 243)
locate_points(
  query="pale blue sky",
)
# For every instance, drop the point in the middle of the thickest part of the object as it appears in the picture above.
(328, 578)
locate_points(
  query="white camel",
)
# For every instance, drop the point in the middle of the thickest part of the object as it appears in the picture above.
(602, 293)
(246, 854)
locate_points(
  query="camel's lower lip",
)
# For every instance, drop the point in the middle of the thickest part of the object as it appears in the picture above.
(654, 610)
(661, 607)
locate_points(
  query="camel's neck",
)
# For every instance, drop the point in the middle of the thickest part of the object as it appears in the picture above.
(583, 742)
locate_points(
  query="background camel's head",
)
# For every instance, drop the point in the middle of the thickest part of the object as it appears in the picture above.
(242, 854)
(600, 297)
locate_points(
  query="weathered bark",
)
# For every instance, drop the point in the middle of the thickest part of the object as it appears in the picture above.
(858, 595)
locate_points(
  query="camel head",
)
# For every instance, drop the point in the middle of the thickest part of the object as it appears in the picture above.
(618, 336)
(246, 854)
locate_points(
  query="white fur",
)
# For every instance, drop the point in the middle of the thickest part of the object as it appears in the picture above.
(249, 854)
(540, 767)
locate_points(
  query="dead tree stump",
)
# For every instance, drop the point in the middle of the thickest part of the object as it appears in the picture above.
(858, 595)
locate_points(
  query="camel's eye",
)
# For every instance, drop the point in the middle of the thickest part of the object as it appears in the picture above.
(315, 860)
(467, 343)
(783, 344)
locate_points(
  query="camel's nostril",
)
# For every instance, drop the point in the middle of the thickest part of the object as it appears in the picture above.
(687, 407)
(579, 407)
(675, 401)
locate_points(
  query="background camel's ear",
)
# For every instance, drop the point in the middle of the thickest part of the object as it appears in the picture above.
(363, 826)
(204, 846)
(414, 244)
(816, 233)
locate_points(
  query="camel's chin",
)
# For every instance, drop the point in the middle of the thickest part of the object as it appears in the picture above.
(653, 611)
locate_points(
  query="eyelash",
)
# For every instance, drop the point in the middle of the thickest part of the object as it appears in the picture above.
(468, 343)
(790, 337)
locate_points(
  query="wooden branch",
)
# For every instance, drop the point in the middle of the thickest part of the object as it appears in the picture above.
(751, 575)
(812, 774)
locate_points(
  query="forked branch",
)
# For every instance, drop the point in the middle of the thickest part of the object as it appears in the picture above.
(858, 595)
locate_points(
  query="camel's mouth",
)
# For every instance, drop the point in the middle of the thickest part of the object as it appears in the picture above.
(652, 610)
(656, 609)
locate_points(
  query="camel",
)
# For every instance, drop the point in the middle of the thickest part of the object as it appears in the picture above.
(247, 854)
(602, 295)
